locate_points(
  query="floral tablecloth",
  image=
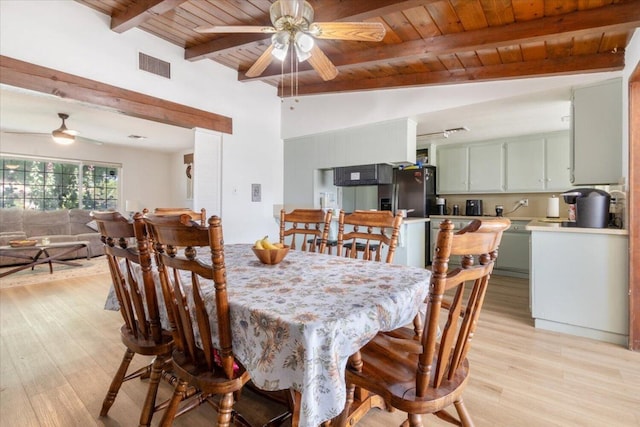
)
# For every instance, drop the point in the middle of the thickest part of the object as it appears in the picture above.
(295, 324)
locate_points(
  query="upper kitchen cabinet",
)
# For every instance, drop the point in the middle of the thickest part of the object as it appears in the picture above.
(477, 168)
(453, 169)
(597, 134)
(539, 163)
(486, 168)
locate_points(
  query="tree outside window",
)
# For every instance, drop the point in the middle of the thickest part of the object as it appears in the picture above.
(41, 184)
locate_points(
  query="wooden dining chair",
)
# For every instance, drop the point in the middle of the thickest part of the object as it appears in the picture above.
(310, 227)
(195, 215)
(368, 234)
(428, 374)
(203, 354)
(141, 332)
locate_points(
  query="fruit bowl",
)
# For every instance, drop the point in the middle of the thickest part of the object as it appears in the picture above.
(271, 256)
(22, 243)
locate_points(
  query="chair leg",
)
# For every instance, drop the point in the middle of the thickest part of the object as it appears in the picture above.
(342, 419)
(172, 408)
(415, 420)
(465, 418)
(225, 409)
(116, 382)
(154, 381)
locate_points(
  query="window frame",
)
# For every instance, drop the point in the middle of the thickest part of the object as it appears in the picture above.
(56, 172)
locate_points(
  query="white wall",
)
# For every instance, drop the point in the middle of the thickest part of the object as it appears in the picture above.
(69, 37)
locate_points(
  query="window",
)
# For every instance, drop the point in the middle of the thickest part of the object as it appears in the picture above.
(43, 184)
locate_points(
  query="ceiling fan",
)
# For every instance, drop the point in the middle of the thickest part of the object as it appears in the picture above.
(61, 135)
(293, 29)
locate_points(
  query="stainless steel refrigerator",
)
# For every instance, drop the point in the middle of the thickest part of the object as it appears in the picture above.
(415, 191)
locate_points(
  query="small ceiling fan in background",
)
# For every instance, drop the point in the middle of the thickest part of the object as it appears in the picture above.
(61, 135)
(293, 29)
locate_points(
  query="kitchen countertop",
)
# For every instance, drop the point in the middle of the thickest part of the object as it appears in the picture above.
(413, 220)
(463, 217)
(542, 225)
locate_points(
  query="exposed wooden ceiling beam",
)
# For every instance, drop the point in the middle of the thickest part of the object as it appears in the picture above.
(141, 12)
(342, 10)
(596, 63)
(358, 10)
(619, 17)
(25, 75)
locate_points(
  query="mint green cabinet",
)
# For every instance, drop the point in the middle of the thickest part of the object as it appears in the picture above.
(486, 168)
(453, 169)
(597, 133)
(539, 163)
(477, 168)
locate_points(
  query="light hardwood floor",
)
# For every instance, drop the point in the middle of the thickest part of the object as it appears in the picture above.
(59, 350)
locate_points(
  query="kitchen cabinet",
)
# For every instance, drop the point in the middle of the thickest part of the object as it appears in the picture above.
(411, 249)
(540, 163)
(458, 223)
(579, 283)
(477, 168)
(453, 169)
(597, 134)
(486, 168)
(513, 253)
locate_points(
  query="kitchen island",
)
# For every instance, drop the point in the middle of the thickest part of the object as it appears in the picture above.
(579, 280)
(411, 249)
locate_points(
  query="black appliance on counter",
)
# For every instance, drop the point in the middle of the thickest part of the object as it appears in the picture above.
(474, 207)
(591, 207)
(413, 190)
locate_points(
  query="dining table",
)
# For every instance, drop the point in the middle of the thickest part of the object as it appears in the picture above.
(295, 324)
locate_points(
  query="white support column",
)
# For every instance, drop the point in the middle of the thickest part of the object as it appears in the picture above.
(207, 171)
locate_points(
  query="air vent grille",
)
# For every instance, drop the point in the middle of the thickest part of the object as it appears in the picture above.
(154, 65)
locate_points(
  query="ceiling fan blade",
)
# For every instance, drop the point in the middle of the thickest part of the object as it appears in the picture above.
(322, 64)
(235, 29)
(361, 31)
(48, 134)
(261, 63)
(89, 140)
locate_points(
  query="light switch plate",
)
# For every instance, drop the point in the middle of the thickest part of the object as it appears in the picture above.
(256, 193)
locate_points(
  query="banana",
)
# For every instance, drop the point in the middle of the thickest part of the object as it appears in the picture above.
(267, 244)
(258, 244)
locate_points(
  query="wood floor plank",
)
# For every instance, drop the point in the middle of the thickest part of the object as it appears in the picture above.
(12, 394)
(60, 349)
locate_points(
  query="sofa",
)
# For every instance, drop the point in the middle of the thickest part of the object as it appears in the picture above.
(63, 225)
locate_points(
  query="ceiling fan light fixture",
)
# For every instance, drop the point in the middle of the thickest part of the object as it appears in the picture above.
(280, 41)
(304, 44)
(62, 135)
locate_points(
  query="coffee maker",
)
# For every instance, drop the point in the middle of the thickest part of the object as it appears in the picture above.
(591, 207)
(474, 207)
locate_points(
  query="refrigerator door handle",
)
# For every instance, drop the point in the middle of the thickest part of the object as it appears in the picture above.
(394, 190)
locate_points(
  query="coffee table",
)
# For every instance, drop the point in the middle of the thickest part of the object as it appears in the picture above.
(39, 254)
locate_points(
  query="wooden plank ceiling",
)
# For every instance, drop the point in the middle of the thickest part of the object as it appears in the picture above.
(428, 42)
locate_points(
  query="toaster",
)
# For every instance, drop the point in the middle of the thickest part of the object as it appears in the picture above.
(474, 207)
